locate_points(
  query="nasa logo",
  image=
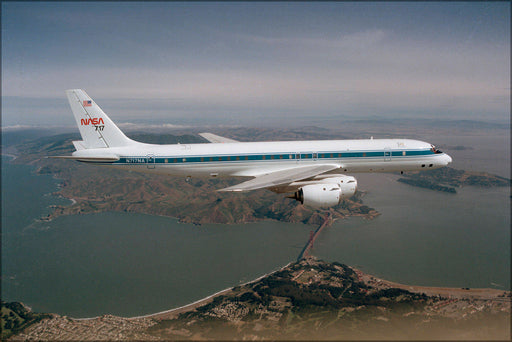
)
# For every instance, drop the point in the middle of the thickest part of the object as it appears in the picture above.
(94, 121)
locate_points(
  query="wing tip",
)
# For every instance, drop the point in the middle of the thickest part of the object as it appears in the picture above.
(216, 139)
(230, 189)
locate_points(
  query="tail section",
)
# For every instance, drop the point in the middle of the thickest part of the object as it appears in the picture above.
(96, 128)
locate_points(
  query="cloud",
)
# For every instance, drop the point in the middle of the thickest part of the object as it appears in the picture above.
(349, 41)
(322, 66)
(130, 126)
(385, 73)
(143, 92)
(18, 127)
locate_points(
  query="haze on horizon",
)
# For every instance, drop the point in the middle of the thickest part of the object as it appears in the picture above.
(250, 63)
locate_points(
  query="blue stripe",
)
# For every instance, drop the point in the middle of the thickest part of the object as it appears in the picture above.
(269, 157)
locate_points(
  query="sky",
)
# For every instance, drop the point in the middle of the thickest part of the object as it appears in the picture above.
(251, 63)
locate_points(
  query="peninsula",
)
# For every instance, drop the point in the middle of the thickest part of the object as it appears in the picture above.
(311, 300)
(447, 179)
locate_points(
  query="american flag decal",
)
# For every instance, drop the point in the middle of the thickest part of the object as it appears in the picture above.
(87, 103)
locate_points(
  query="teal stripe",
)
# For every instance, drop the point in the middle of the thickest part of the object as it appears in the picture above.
(268, 157)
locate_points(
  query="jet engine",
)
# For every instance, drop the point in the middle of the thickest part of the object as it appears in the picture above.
(327, 192)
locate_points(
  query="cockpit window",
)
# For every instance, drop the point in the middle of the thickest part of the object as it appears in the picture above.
(435, 150)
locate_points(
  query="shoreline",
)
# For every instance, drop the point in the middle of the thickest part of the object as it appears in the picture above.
(53, 215)
(449, 292)
(14, 157)
(193, 305)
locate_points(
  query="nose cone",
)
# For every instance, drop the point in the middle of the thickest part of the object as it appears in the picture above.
(447, 159)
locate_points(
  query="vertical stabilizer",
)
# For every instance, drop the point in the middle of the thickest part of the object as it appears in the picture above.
(95, 126)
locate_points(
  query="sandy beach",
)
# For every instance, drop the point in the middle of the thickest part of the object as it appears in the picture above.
(449, 292)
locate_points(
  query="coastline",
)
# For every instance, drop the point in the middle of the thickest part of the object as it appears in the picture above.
(14, 157)
(450, 292)
(76, 205)
(480, 313)
(446, 292)
(175, 311)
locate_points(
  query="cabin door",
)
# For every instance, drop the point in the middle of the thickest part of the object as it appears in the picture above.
(150, 161)
(387, 154)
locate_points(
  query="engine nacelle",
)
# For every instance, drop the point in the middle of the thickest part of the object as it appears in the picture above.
(328, 193)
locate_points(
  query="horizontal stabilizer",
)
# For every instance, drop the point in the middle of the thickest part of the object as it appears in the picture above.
(282, 177)
(213, 138)
(79, 145)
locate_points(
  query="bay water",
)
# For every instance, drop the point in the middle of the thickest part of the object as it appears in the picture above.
(428, 238)
(123, 263)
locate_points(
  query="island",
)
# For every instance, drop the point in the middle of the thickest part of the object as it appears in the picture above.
(307, 300)
(447, 179)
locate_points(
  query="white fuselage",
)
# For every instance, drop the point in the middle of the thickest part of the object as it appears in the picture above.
(313, 170)
(257, 158)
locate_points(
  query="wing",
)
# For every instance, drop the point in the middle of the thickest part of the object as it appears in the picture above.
(279, 178)
(213, 138)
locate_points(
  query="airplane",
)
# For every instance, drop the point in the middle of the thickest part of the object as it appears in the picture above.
(311, 172)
